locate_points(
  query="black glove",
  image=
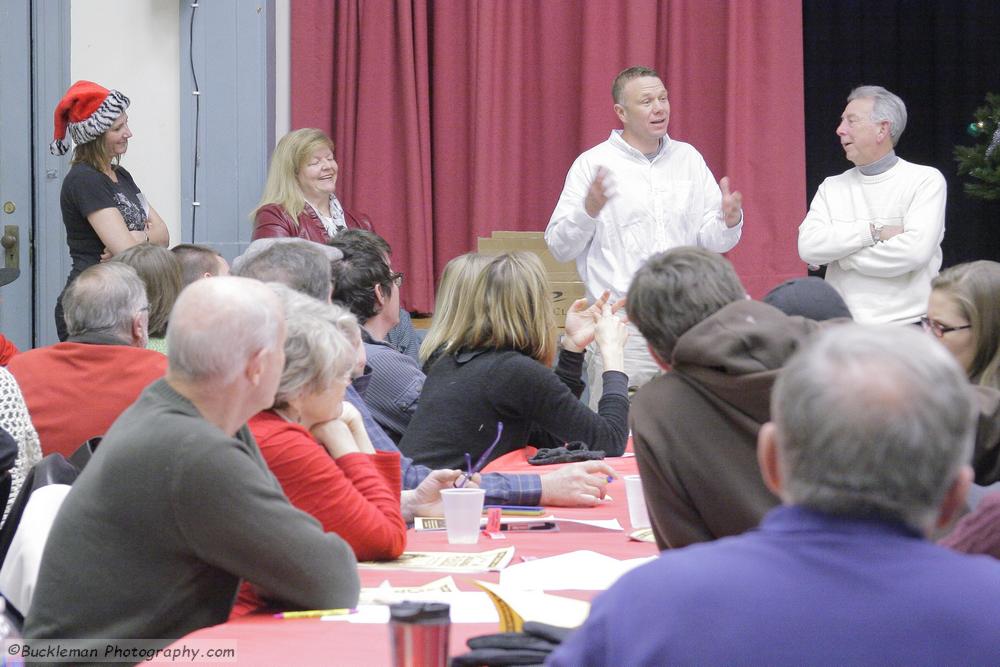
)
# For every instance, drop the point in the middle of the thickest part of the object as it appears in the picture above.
(530, 647)
(571, 451)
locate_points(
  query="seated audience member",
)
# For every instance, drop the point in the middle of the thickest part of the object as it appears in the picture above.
(161, 274)
(177, 505)
(694, 428)
(979, 531)
(75, 389)
(317, 447)
(298, 264)
(963, 315)
(7, 350)
(808, 297)
(364, 282)
(869, 453)
(454, 299)
(15, 420)
(198, 261)
(499, 371)
(576, 484)
(403, 336)
(299, 198)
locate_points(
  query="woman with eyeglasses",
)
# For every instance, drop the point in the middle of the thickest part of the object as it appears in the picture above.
(964, 314)
(498, 369)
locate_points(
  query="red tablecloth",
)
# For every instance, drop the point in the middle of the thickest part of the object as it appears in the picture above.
(263, 640)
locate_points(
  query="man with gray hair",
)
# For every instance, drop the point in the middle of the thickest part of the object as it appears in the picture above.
(302, 265)
(74, 390)
(177, 505)
(695, 427)
(869, 452)
(877, 227)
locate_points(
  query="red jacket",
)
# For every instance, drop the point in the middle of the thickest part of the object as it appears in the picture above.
(273, 221)
(355, 496)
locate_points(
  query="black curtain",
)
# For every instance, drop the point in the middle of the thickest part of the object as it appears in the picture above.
(941, 57)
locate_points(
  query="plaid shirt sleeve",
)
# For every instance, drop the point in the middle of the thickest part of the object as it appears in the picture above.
(500, 489)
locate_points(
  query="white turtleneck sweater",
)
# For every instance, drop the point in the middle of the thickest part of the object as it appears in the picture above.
(881, 282)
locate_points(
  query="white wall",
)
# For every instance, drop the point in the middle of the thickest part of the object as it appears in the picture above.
(134, 46)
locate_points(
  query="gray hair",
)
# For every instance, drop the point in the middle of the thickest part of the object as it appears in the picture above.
(677, 289)
(302, 265)
(886, 106)
(319, 344)
(103, 300)
(217, 325)
(873, 421)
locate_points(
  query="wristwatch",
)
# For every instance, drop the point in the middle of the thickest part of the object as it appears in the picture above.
(876, 233)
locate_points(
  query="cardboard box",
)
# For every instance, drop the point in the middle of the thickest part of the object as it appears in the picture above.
(497, 246)
(563, 278)
(563, 296)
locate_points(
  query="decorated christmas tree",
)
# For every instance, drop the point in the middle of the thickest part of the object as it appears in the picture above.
(981, 163)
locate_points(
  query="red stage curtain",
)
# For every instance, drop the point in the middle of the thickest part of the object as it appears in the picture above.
(455, 118)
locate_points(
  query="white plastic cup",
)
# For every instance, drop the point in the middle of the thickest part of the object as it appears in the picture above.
(463, 509)
(638, 516)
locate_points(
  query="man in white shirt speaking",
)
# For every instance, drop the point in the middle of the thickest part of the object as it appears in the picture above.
(634, 195)
(878, 226)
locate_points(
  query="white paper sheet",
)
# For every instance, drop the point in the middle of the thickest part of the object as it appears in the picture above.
(466, 607)
(576, 570)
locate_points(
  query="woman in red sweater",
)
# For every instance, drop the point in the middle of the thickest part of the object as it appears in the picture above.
(316, 444)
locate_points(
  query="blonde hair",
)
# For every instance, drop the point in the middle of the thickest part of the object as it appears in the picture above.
(454, 301)
(96, 154)
(160, 271)
(513, 304)
(975, 289)
(290, 155)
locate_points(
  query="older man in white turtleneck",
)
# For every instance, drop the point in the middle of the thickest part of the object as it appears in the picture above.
(878, 226)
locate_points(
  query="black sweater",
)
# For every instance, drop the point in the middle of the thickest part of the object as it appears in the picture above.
(467, 393)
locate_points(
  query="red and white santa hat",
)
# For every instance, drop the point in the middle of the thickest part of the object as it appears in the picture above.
(88, 110)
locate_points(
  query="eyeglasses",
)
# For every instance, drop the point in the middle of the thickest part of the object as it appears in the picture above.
(939, 329)
(397, 278)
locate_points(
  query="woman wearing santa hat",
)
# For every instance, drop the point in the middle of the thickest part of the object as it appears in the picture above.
(103, 209)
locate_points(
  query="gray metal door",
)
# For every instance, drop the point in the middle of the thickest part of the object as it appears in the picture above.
(16, 212)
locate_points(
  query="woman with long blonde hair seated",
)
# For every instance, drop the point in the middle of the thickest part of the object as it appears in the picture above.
(497, 370)
(452, 305)
(299, 196)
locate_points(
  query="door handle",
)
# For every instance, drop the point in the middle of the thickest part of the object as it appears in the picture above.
(11, 242)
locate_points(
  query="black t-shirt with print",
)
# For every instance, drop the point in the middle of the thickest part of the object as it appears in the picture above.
(86, 190)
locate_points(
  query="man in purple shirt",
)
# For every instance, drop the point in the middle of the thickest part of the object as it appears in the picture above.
(869, 451)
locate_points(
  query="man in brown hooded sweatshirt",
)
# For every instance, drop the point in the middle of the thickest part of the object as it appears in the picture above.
(695, 427)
